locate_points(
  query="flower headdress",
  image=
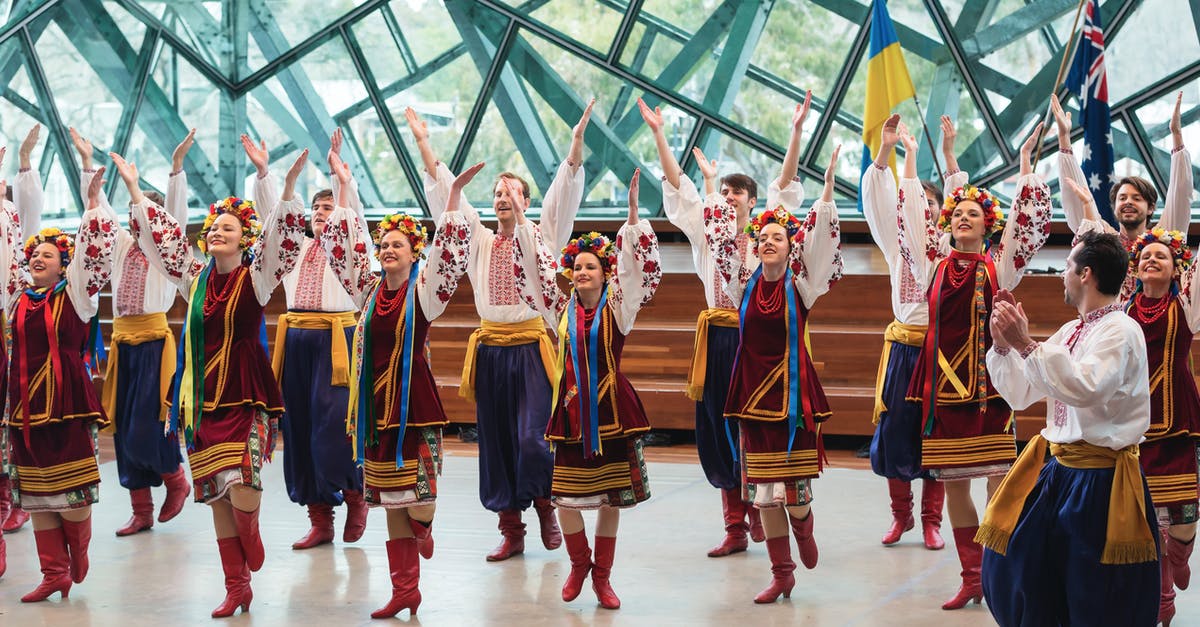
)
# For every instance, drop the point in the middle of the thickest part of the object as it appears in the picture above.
(1173, 240)
(51, 235)
(993, 217)
(411, 228)
(779, 216)
(595, 243)
(243, 210)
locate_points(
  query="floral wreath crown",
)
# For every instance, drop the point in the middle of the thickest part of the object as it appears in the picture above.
(599, 245)
(51, 235)
(779, 216)
(1176, 241)
(993, 217)
(411, 228)
(243, 210)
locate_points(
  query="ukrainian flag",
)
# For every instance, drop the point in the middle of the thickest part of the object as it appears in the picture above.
(888, 83)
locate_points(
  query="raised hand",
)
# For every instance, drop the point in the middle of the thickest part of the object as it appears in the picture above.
(335, 147)
(801, 111)
(652, 117)
(466, 177)
(415, 124)
(258, 155)
(181, 151)
(82, 146)
(1062, 122)
(516, 199)
(293, 173)
(95, 188)
(911, 145)
(949, 134)
(1027, 149)
(888, 138)
(830, 171)
(633, 196)
(339, 168)
(707, 168)
(127, 170)
(28, 145)
(1177, 122)
(581, 126)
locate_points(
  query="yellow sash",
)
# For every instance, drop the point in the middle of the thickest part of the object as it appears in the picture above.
(506, 334)
(1128, 539)
(134, 330)
(720, 317)
(338, 353)
(907, 334)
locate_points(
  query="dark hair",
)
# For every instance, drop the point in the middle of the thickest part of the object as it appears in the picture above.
(1106, 256)
(155, 197)
(933, 191)
(741, 181)
(1143, 187)
(322, 195)
(523, 182)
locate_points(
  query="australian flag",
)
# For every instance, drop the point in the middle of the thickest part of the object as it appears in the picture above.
(1089, 81)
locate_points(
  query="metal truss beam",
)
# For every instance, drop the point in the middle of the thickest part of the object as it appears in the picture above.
(59, 141)
(133, 101)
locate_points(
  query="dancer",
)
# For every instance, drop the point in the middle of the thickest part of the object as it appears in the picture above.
(967, 426)
(774, 393)
(1071, 539)
(896, 444)
(716, 327)
(312, 363)
(1166, 307)
(229, 401)
(595, 427)
(141, 364)
(509, 366)
(53, 410)
(1132, 198)
(28, 196)
(395, 415)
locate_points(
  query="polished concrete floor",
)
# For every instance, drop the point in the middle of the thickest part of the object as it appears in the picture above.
(171, 575)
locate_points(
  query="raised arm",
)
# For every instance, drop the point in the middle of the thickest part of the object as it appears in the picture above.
(265, 196)
(561, 201)
(920, 244)
(1073, 205)
(338, 182)
(159, 235)
(177, 189)
(819, 254)
(349, 253)
(11, 251)
(447, 256)
(274, 254)
(791, 158)
(878, 191)
(421, 134)
(91, 266)
(720, 233)
(639, 266)
(28, 189)
(949, 134)
(672, 173)
(1177, 210)
(1028, 226)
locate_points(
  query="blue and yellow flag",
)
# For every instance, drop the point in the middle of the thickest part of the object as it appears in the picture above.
(888, 83)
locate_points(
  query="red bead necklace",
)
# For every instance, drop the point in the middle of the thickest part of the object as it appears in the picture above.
(959, 273)
(769, 303)
(212, 301)
(385, 305)
(1148, 314)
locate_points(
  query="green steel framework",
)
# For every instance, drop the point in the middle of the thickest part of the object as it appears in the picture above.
(696, 59)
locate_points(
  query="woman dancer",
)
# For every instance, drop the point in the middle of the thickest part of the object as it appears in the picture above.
(967, 426)
(396, 417)
(229, 401)
(594, 426)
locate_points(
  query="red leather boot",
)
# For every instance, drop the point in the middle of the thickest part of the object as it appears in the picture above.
(802, 528)
(237, 578)
(3, 554)
(252, 546)
(1178, 553)
(423, 532)
(356, 516)
(902, 510)
(756, 529)
(178, 489)
(320, 531)
(513, 532)
(1166, 599)
(734, 511)
(79, 536)
(405, 570)
(56, 565)
(6, 500)
(933, 496)
(143, 512)
(581, 564)
(551, 536)
(606, 548)
(17, 518)
(970, 555)
(782, 567)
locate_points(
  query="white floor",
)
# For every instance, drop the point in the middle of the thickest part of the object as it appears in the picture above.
(171, 575)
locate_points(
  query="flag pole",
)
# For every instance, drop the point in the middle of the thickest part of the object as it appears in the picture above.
(929, 139)
(1062, 66)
